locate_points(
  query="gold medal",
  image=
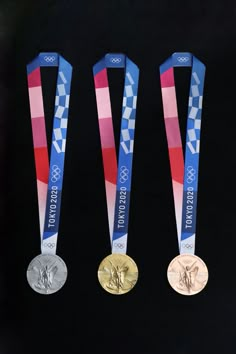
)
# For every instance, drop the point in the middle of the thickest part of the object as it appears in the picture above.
(118, 273)
(187, 274)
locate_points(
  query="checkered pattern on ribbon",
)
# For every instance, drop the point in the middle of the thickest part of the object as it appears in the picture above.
(61, 114)
(195, 106)
(128, 113)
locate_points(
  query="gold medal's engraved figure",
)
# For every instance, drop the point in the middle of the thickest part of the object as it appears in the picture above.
(187, 277)
(45, 276)
(118, 281)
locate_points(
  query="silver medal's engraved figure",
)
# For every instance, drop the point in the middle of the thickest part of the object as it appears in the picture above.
(46, 274)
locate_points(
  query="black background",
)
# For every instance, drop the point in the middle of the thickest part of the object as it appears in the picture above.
(82, 318)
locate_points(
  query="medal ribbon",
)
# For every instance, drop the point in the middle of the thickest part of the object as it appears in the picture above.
(49, 177)
(184, 171)
(117, 178)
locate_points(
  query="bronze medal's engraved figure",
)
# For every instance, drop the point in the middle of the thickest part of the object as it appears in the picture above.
(187, 277)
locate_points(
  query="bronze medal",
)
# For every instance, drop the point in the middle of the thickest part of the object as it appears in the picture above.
(187, 274)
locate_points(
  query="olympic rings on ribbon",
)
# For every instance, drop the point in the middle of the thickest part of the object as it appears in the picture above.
(187, 245)
(49, 245)
(55, 173)
(115, 60)
(183, 59)
(124, 174)
(119, 245)
(190, 174)
(49, 59)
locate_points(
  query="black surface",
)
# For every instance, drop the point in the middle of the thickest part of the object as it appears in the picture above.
(82, 318)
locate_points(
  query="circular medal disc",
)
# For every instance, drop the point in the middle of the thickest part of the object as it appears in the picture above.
(46, 274)
(187, 274)
(118, 273)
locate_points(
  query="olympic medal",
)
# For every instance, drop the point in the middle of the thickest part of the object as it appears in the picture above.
(187, 274)
(46, 274)
(118, 273)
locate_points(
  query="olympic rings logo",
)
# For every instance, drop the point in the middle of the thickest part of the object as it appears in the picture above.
(187, 245)
(183, 59)
(49, 245)
(49, 59)
(115, 60)
(190, 174)
(124, 174)
(119, 245)
(55, 173)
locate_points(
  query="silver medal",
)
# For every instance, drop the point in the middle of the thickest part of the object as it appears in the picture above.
(46, 274)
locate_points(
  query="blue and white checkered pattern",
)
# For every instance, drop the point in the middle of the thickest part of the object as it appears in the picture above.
(129, 110)
(195, 106)
(61, 113)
